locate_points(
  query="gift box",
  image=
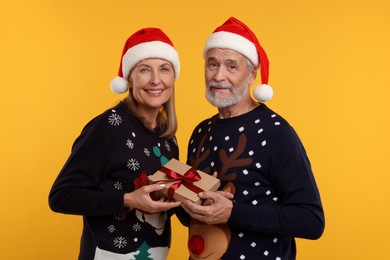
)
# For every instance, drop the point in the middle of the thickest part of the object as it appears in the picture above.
(182, 182)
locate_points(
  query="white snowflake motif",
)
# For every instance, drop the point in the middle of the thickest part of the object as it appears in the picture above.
(114, 119)
(111, 228)
(120, 217)
(147, 152)
(137, 227)
(167, 145)
(120, 242)
(133, 164)
(118, 185)
(129, 144)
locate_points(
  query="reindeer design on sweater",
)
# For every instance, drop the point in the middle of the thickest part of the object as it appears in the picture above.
(210, 242)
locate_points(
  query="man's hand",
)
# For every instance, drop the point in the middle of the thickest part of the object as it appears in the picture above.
(216, 209)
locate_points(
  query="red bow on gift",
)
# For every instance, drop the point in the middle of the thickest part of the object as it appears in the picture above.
(187, 180)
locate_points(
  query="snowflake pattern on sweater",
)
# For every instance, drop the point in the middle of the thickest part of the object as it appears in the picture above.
(111, 152)
(260, 159)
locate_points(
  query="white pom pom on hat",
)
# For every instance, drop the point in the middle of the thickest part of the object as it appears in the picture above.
(263, 93)
(235, 35)
(119, 85)
(143, 44)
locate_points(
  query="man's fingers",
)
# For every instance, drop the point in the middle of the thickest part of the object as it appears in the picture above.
(226, 194)
(207, 195)
(195, 212)
(191, 207)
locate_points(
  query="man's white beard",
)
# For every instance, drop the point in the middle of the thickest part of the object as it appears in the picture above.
(236, 93)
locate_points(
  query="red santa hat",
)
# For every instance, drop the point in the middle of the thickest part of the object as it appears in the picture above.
(235, 35)
(143, 44)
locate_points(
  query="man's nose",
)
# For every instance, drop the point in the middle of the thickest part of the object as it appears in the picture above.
(220, 74)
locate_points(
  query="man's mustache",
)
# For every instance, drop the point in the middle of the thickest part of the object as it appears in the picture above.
(223, 84)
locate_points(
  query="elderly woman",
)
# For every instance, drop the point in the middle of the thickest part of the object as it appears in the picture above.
(105, 176)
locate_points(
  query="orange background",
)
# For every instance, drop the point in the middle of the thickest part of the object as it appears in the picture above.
(329, 70)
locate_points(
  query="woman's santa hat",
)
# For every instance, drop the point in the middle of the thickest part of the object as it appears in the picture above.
(143, 44)
(235, 35)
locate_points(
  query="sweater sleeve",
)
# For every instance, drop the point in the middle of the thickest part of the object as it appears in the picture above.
(75, 191)
(298, 212)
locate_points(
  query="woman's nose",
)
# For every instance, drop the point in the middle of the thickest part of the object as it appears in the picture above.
(155, 79)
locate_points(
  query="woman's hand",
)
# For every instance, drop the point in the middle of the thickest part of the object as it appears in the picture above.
(140, 199)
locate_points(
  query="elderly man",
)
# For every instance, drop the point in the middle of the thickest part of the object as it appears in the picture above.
(256, 154)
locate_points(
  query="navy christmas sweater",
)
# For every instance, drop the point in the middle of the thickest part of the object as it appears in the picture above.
(109, 155)
(258, 157)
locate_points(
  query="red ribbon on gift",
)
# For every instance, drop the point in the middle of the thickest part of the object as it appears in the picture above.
(187, 180)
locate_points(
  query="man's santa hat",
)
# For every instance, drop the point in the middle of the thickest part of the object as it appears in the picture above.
(235, 35)
(143, 44)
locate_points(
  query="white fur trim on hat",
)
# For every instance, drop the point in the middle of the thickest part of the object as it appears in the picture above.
(263, 93)
(234, 42)
(154, 49)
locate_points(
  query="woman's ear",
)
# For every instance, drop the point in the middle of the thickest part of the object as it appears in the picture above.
(131, 82)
